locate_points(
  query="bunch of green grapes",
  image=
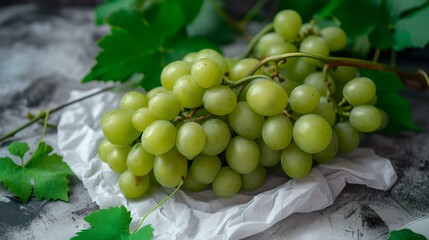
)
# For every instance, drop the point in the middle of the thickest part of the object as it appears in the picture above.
(220, 123)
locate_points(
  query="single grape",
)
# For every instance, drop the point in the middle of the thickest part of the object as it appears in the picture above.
(316, 80)
(117, 158)
(385, 119)
(242, 155)
(329, 153)
(267, 98)
(281, 48)
(253, 180)
(227, 183)
(159, 137)
(365, 118)
(164, 105)
(190, 57)
(170, 167)
(245, 122)
(295, 162)
(269, 157)
(335, 37)
(154, 91)
(142, 118)
(359, 91)
(299, 69)
(172, 71)
(189, 94)
(267, 41)
(139, 162)
(133, 186)
(288, 85)
(192, 185)
(242, 68)
(133, 100)
(348, 137)
(104, 147)
(206, 73)
(118, 128)
(219, 100)
(277, 132)
(215, 56)
(312, 133)
(314, 45)
(205, 168)
(326, 110)
(190, 139)
(287, 24)
(304, 99)
(243, 92)
(343, 74)
(217, 136)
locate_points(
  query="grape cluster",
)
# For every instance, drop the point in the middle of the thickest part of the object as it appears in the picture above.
(216, 126)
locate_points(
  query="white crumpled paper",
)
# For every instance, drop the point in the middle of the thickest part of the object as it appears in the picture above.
(203, 215)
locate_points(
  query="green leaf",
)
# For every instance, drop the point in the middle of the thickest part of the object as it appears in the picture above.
(45, 174)
(103, 11)
(399, 7)
(190, 9)
(112, 223)
(381, 37)
(18, 149)
(405, 234)
(397, 107)
(411, 30)
(329, 8)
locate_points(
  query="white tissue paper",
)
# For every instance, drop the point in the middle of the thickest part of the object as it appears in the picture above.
(203, 215)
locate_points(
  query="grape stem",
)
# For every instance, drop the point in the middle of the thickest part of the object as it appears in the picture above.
(45, 114)
(182, 180)
(418, 80)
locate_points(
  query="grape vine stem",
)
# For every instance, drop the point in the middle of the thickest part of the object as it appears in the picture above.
(419, 79)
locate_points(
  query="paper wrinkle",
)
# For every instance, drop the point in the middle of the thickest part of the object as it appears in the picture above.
(203, 215)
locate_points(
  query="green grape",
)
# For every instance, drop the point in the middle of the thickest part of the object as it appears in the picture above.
(277, 132)
(373, 101)
(359, 91)
(242, 68)
(219, 100)
(227, 183)
(304, 99)
(242, 155)
(326, 110)
(139, 162)
(133, 186)
(190, 139)
(154, 91)
(117, 158)
(245, 122)
(265, 42)
(205, 168)
(133, 100)
(287, 24)
(314, 45)
(243, 92)
(118, 128)
(215, 56)
(217, 136)
(329, 153)
(253, 180)
(295, 162)
(308, 29)
(206, 73)
(169, 168)
(189, 94)
(335, 37)
(164, 105)
(159, 137)
(312, 133)
(269, 157)
(343, 74)
(288, 85)
(173, 71)
(348, 137)
(300, 69)
(316, 80)
(104, 148)
(385, 119)
(192, 185)
(365, 118)
(281, 48)
(142, 118)
(190, 57)
(267, 98)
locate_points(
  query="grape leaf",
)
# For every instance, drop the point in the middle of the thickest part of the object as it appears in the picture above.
(44, 174)
(411, 30)
(18, 149)
(397, 107)
(405, 234)
(104, 10)
(112, 223)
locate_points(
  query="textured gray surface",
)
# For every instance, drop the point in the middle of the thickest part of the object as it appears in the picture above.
(44, 52)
